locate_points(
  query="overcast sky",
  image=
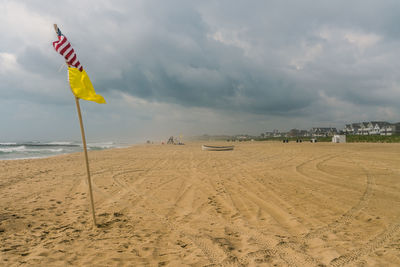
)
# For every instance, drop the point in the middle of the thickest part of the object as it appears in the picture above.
(194, 67)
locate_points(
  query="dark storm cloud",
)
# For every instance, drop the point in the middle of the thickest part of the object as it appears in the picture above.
(179, 56)
(176, 59)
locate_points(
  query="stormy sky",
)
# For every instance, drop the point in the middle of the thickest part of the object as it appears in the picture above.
(194, 67)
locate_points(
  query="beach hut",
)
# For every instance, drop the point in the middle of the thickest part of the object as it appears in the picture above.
(339, 138)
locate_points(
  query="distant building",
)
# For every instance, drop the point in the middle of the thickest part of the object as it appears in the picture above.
(304, 133)
(241, 137)
(338, 138)
(390, 129)
(372, 128)
(352, 128)
(276, 133)
(376, 127)
(293, 133)
(363, 130)
(268, 134)
(323, 131)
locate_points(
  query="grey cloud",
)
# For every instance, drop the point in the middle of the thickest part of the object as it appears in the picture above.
(280, 59)
(35, 60)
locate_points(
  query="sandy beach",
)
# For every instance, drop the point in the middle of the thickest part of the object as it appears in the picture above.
(262, 204)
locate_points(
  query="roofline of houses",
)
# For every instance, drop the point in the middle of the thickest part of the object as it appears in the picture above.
(357, 128)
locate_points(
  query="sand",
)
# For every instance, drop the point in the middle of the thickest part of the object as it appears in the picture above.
(263, 204)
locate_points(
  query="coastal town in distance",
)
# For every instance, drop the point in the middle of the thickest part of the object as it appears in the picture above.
(371, 131)
(358, 128)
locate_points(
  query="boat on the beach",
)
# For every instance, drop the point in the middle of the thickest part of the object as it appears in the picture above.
(216, 148)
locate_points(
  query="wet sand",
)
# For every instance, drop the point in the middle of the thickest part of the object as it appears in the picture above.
(262, 204)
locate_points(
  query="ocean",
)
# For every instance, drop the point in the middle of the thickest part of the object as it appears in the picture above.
(28, 150)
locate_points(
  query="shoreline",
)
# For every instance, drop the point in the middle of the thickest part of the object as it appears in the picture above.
(21, 149)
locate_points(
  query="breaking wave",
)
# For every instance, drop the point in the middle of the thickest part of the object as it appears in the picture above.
(34, 149)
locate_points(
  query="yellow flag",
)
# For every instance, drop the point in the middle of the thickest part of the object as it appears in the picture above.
(82, 86)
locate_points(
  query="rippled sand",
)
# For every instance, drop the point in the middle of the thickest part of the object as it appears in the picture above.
(262, 204)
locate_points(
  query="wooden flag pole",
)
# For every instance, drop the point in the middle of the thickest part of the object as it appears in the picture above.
(86, 159)
(85, 151)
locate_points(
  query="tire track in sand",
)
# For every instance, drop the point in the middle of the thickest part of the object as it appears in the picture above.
(268, 246)
(291, 245)
(375, 243)
(352, 211)
(212, 251)
(369, 247)
(349, 214)
(125, 188)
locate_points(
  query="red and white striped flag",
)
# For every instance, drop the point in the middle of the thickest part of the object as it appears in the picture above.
(64, 48)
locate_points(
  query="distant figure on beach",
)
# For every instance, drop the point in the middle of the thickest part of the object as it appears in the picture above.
(171, 140)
